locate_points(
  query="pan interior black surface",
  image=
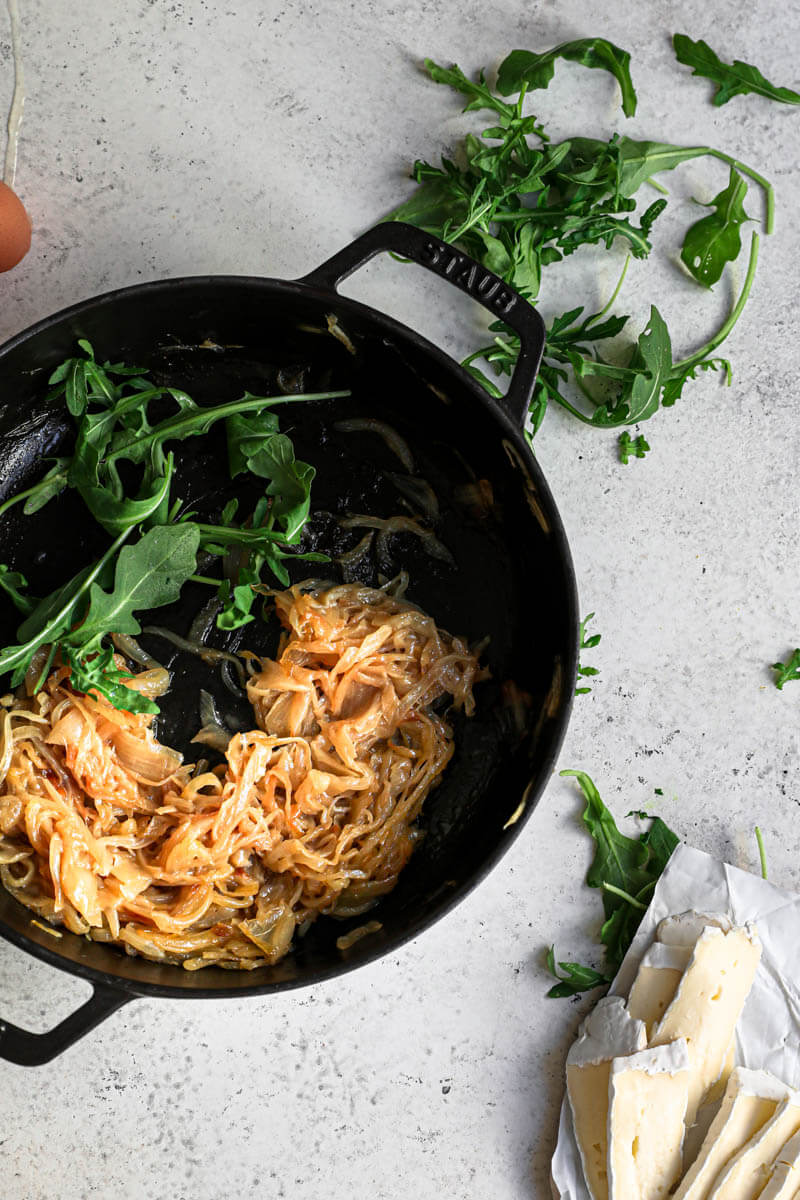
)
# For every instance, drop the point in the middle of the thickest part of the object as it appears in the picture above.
(510, 581)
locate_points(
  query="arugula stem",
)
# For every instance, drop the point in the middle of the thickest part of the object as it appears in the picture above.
(46, 668)
(246, 537)
(609, 887)
(762, 854)
(31, 491)
(182, 424)
(535, 215)
(555, 395)
(607, 370)
(732, 318)
(659, 187)
(614, 294)
(465, 226)
(204, 579)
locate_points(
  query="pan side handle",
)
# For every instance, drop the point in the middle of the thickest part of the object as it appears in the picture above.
(34, 1049)
(463, 272)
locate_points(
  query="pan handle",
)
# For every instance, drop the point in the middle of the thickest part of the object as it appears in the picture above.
(34, 1049)
(479, 283)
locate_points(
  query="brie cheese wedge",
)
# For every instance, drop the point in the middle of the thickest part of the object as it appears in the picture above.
(784, 1182)
(747, 1172)
(708, 1002)
(648, 1094)
(657, 982)
(751, 1099)
(607, 1032)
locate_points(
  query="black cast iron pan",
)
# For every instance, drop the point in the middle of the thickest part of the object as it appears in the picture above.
(512, 579)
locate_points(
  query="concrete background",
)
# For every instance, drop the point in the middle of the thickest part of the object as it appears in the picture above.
(169, 138)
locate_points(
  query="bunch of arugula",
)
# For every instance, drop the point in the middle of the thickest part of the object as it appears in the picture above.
(156, 544)
(518, 203)
(627, 870)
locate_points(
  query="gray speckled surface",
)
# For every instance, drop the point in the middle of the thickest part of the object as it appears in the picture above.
(168, 138)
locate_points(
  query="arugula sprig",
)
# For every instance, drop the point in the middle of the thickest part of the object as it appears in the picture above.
(156, 546)
(626, 870)
(786, 672)
(586, 643)
(632, 447)
(732, 79)
(111, 405)
(518, 203)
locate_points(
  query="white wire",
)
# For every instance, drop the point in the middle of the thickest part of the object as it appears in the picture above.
(18, 99)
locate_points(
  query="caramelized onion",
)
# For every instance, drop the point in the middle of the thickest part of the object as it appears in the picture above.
(355, 935)
(207, 653)
(133, 651)
(419, 492)
(148, 760)
(390, 525)
(313, 811)
(152, 683)
(390, 436)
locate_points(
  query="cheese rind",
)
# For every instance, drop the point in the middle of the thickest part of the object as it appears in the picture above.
(751, 1099)
(708, 1002)
(657, 982)
(607, 1032)
(648, 1093)
(684, 929)
(784, 1182)
(747, 1172)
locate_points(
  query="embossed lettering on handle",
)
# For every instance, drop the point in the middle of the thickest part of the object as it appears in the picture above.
(473, 279)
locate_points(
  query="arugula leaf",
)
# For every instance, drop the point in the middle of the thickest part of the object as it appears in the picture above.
(681, 373)
(100, 673)
(632, 448)
(524, 70)
(148, 574)
(83, 381)
(479, 95)
(652, 361)
(245, 433)
(715, 240)
(290, 483)
(237, 600)
(576, 978)
(50, 485)
(11, 582)
(789, 671)
(639, 161)
(626, 870)
(661, 841)
(732, 79)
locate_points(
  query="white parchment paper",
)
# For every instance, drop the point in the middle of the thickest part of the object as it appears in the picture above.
(768, 1034)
